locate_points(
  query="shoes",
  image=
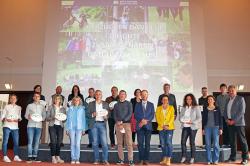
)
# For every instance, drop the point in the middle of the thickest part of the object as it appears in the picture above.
(244, 162)
(112, 146)
(120, 162)
(106, 163)
(17, 159)
(54, 160)
(6, 159)
(131, 163)
(183, 160)
(163, 161)
(145, 163)
(77, 162)
(89, 146)
(29, 160)
(73, 162)
(230, 160)
(191, 161)
(168, 161)
(216, 163)
(96, 163)
(59, 160)
(35, 159)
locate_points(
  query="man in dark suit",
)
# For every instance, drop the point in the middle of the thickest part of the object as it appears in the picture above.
(97, 125)
(144, 114)
(235, 119)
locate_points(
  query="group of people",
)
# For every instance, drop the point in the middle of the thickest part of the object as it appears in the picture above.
(126, 119)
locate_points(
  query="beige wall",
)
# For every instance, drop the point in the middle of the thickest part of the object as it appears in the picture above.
(227, 41)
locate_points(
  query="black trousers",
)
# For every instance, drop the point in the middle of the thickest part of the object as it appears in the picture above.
(111, 123)
(133, 136)
(56, 137)
(234, 132)
(188, 132)
(225, 135)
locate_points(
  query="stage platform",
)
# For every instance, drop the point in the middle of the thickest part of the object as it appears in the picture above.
(155, 154)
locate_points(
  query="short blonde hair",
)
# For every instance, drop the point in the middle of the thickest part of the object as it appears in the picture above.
(77, 97)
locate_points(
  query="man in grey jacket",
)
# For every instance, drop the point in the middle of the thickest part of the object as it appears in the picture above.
(98, 115)
(235, 119)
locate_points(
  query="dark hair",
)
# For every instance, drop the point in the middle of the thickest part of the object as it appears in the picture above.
(91, 89)
(144, 90)
(166, 84)
(203, 88)
(36, 93)
(136, 91)
(164, 96)
(114, 87)
(75, 86)
(36, 86)
(223, 85)
(121, 91)
(194, 102)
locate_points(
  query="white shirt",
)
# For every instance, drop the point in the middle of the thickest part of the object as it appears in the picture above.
(35, 108)
(144, 104)
(57, 110)
(8, 110)
(229, 106)
(187, 116)
(99, 109)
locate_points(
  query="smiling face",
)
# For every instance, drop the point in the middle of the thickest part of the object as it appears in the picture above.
(232, 91)
(98, 95)
(76, 101)
(13, 99)
(144, 95)
(189, 100)
(164, 100)
(210, 100)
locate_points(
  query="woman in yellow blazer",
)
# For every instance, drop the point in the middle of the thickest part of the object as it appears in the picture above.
(165, 120)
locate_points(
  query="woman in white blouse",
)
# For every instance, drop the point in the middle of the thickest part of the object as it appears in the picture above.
(11, 115)
(190, 118)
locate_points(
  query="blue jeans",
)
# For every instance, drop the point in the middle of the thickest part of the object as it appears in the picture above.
(143, 138)
(90, 136)
(99, 131)
(75, 142)
(15, 136)
(34, 135)
(166, 137)
(212, 133)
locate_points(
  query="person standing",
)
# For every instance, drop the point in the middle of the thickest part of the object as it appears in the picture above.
(221, 101)
(91, 96)
(203, 99)
(114, 97)
(76, 127)
(10, 117)
(97, 125)
(235, 119)
(165, 120)
(58, 92)
(212, 129)
(34, 128)
(134, 101)
(56, 128)
(171, 100)
(144, 114)
(36, 89)
(122, 116)
(190, 118)
(75, 92)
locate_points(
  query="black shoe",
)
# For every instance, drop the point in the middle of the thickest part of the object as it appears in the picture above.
(120, 162)
(131, 163)
(244, 162)
(30, 159)
(230, 160)
(89, 146)
(159, 147)
(35, 159)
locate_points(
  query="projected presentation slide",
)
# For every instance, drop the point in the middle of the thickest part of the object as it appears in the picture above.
(127, 43)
